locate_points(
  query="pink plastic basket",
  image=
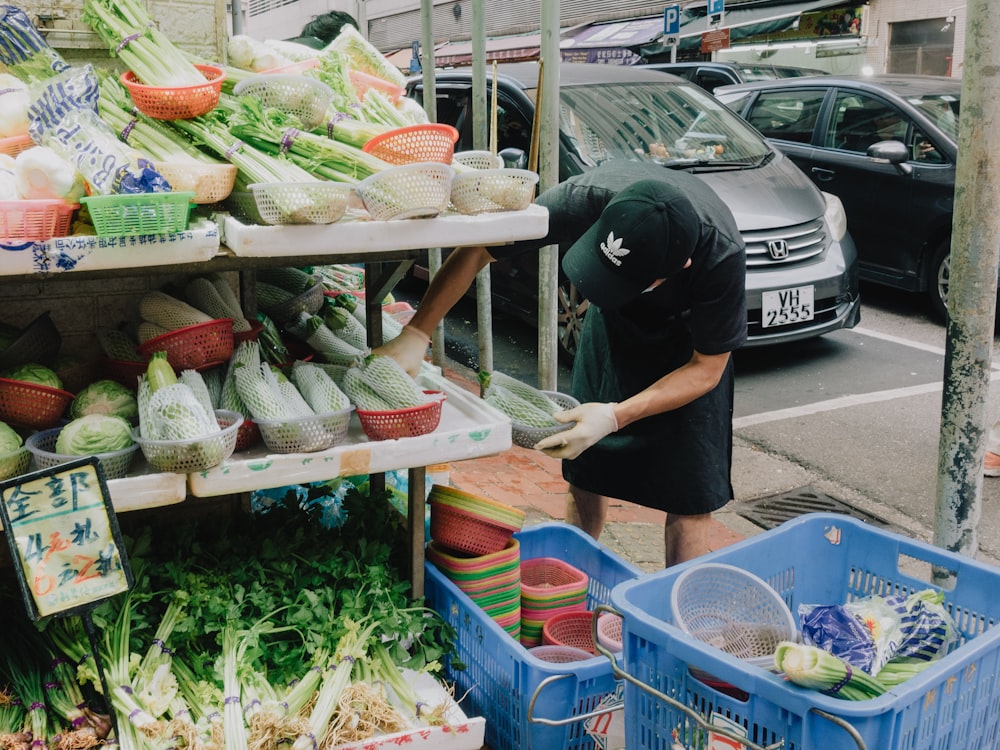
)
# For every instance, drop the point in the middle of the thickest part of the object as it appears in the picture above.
(35, 220)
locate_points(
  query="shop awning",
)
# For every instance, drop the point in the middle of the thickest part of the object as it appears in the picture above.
(506, 49)
(742, 22)
(614, 42)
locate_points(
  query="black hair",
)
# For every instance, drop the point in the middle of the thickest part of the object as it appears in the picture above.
(328, 25)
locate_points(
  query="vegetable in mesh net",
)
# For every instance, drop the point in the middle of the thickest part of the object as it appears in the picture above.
(169, 312)
(118, 345)
(344, 325)
(520, 410)
(318, 389)
(254, 390)
(361, 394)
(168, 408)
(330, 347)
(385, 376)
(204, 295)
(529, 393)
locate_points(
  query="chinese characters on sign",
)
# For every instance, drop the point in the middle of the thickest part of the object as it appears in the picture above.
(63, 538)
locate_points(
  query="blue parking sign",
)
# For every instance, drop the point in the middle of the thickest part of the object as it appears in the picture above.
(672, 20)
(716, 7)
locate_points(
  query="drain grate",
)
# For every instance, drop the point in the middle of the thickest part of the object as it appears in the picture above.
(772, 510)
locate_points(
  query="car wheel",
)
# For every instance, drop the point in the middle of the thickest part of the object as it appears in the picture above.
(939, 279)
(572, 307)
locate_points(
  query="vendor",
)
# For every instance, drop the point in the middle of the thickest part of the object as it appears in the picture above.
(660, 259)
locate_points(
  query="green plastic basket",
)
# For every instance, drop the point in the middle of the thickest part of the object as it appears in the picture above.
(141, 213)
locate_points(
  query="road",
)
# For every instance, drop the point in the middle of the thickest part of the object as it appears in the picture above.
(855, 415)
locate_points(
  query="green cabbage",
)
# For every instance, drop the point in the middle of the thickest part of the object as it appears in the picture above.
(33, 373)
(9, 439)
(93, 434)
(105, 397)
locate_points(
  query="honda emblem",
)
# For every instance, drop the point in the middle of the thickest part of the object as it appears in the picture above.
(778, 249)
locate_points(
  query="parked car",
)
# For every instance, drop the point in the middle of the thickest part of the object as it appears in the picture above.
(886, 146)
(801, 276)
(711, 75)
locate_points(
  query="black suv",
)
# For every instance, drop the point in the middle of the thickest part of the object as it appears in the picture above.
(709, 75)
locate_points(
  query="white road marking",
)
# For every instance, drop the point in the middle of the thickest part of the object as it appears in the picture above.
(856, 399)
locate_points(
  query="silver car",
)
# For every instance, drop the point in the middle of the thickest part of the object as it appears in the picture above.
(801, 263)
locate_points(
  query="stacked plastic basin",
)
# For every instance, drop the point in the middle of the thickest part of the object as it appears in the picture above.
(472, 544)
(549, 586)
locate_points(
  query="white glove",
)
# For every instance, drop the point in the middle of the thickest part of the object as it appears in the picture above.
(593, 422)
(408, 349)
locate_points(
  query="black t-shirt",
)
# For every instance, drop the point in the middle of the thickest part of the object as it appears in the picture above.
(708, 298)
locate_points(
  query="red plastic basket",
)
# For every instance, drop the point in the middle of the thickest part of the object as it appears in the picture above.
(247, 436)
(15, 144)
(402, 423)
(31, 405)
(179, 102)
(35, 220)
(549, 578)
(573, 629)
(464, 532)
(240, 336)
(194, 347)
(123, 371)
(414, 143)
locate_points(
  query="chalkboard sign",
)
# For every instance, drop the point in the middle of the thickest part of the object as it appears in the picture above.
(64, 538)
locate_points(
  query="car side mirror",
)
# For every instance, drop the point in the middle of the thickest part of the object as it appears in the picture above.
(513, 158)
(891, 152)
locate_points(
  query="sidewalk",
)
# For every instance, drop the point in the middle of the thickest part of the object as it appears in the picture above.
(530, 480)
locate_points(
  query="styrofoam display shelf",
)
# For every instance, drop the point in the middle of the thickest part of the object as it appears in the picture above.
(459, 732)
(469, 428)
(199, 242)
(358, 235)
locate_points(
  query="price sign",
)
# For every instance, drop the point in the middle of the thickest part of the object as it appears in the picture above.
(64, 538)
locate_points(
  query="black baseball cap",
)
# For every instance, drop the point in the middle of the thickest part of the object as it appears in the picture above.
(647, 232)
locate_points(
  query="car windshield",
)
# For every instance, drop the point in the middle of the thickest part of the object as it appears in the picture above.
(942, 109)
(675, 125)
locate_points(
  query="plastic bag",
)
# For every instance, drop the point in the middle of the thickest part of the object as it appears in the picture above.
(865, 633)
(928, 630)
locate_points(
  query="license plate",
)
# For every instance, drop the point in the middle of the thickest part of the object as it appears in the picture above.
(783, 307)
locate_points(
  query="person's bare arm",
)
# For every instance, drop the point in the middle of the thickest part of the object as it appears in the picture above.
(448, 286)
(682, 386)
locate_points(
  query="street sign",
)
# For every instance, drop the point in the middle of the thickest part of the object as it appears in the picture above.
(716, 7)
(671, 20)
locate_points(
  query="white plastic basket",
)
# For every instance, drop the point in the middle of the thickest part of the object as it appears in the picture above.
(304, 97)
(210, 183)
(305, 434)
(477, 159)
(733, 610)
(186, 456)
(15, 463)
(492, 190)
(526, 436)
(42, 446)
(410, 191)
(301, 202)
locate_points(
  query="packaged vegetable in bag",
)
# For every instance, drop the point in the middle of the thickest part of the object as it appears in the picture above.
(865, 633)
(928, 630)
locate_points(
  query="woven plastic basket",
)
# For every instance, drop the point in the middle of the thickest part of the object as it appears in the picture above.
(570, 629)
(402, 423)
(491, 510)
(302, 96)
(42, 446)
(31, 405)
(249, 335)
(293, 68)
(180, 102)
(35, 220)
(15, 144)
(461, 531)
(364, 81)
(142, 213)
(244, 207)
(609, 631)
(301, 202)
(309, 301)
(413, 191)
(15, 463)
(38, 342)
(194, 347)
(732, 610)
(305, 434)
(210, 183)
(414, 143)
(477, 159)
(122, 371)
(493, 190)
(559, 654)
(550, 579)
(186, 456)
(527, 437)
(247, 436)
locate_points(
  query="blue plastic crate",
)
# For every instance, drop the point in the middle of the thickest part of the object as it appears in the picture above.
(501, 679)
(825, 559)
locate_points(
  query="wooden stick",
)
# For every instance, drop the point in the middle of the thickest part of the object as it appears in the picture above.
(493, 112)
(536, 121)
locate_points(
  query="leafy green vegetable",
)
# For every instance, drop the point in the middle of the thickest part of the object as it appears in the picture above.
(92, 434)
(105, 397)
(33, 373)
(9, 439)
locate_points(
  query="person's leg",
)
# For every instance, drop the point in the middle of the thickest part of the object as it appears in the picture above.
(685, 537)
(586, 510)
(991, 463)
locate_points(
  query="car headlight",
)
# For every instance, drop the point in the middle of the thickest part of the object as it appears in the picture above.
(835, 217)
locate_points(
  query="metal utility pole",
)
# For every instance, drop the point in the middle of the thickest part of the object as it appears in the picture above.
(975, 256)
(484, 287)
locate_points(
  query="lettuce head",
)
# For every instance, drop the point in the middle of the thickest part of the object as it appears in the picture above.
(105, 397)
(92, 434)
